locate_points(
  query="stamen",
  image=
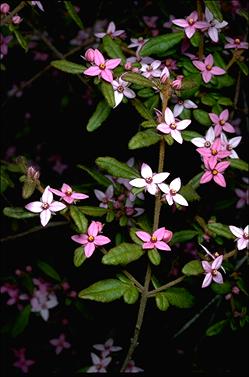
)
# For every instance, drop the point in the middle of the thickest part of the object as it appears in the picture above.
(90, 238)
(215, 172)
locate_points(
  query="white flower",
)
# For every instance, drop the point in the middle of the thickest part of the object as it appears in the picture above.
(121, 89)
(171, 194)
(242, 236)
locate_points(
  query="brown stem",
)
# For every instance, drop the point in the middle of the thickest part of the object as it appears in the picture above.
(235, 57)
(200, 17)
(17, 9)
(165, 286)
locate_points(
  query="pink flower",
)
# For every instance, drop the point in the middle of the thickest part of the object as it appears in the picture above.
(214, 25)
(91, 239)
(152, 69)
(22, 363)
(229, 145)
(107, 348)
(214, 171)
(177, 84)
(208, 70)
(243, 198)
(102, 67)
(172, 126)
(67, 194)
(215, 152)
(242, 236)
(236, 43)
(60, 343)
(111, 31)
(99, 364)
(137, 42)
(211, 271)
(149, 179)
(4, 41)
(42, 301)
(171, 192)
(220, 122)
(89, 55)
(105, 197)
(183, 104)
(46, 207)
(131, 368)
(190, 24)
(16, 19)
(121, 89)
(155, 241)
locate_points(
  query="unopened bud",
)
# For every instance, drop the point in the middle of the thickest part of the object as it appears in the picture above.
(89, 55)
(4, 8)
(16, 19)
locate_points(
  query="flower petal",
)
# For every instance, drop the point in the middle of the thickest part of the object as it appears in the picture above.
(56, 206)
(101, 240)
(35, 207)
(47, 196)
(144, 236)
(146, 171)
(45, 216)
(89, 249)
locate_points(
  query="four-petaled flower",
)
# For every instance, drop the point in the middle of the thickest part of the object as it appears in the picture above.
(46, 207)
(220, 122)
(131, 368)
(105, 197)
(107, 348)
(242, 236)
(99, 364)
(190, 24)
(207, 68)
(102, 67)
(121, 89)
(149, 179)
(236, 43)
(111, 31)
(60, 343)
(214, 171)
(171, 192)
(22, 363)
(151, 69)
(229, 145)
(156, 240)
(67, 194)
(91, 239)
(183, 104)
(172, 126)
(214, 25)
(204, 141)
(211, 271)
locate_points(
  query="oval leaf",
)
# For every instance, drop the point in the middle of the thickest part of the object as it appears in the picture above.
(113, 49)
(48, 270)
(21, 321)
(161, 44)
(179, 297)
(183, 235)
(18, 213)
(116, 168)
(123, 254)
(79, 256)
(154, 257)
(193, 267)
(216, 328)
(161, 301)
(73, 14)
(131, 295)
(220, 230)
(93, 211)
(98, 177)
(202, 117)
(108, 93)
(142, 109)
(66, 66)
(136, 78)
(237, 163)
(100, 114)
(143, 139)
(79, 219)
(104, 290)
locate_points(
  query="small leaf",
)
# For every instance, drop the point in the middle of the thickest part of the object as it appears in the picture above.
(179, 297)
(136, 78)
(20, 39)
(113, 49)
(145, 93)
(222, 289)
(243, 67)
(195, 181)
(161, 44)
(208, 99)
(237, 163)
(195, 40)
(161, 301)
(48, 270)
(220, 230)
(216, 328)
(131, 295)
(143, 139)
(100, 114)
(98, 177)
(183, 236)
(223, 81)
(141, 109)
(193, 267)
(189, 135)
(18, 212)
(28, 187)
(202, 117)
(134, 237)
(108, 93)
(169, 139)
(190, 86)
(218, 60)
(149, 124)
(79, 256)
(21, 321)
(73, 14)
(225, 101)
(154, 257)
(79, 219)
(116, 168)
(214, 8)
(189, 193)
(104, 290)
(123, 254)
(67, 66)
(93, 211)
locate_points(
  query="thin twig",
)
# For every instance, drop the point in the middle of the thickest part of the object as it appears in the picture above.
(166, 286)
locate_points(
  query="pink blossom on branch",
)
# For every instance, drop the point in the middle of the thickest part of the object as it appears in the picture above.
(215, 152)
(214, 26)
(67, 194)
(220, 122)
(215, 171)
(121, 89)
(211, 271)
(236, 43)
(172, 126)
(190, 24)
(154, 241)
(102, 67)
(22, 363)
(207, 68)
(242, 236)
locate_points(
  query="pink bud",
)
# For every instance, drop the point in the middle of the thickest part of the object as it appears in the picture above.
(235, 290)
(4, 8)
(65, 285)
(89, 55)
(128, 66)
(177, 84)
(167, 235)
(135, 69)
(18, 272)
(28, 268)
(73, 294)
(16, 19)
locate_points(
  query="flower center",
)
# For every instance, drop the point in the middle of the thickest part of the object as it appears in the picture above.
(246, 236)
(214, 152)
(237, 41)
(215, 172)
(229, 147)
(180, 102)
(69, 192)
(207, 144)
(153, 239)
(149, 180)
(45, 205)
(222, 122)
(190, 21)
(214, 272)
(90, 238)
(173, 126)
(172, 192)
(120, 89)
(149, 68)
(209, 67)
(102, 66)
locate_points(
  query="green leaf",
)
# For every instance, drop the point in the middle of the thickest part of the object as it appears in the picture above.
(237, 163)
(189, 135)
(193, 267)
(161, 301)
(223, 81)
(152, 103)
(190, 86)
(145, 93)
(93, 211)
(195, 181)
(161, 44)
(104, 290)
(154, 257)
(243, 67)
(98, 177)
(134, 237)
(244, 13)
(225, 101)
(79, 219)
(218, 60)
(202, 117)
(79, 256)
(214, 7)
(183, 236)
(73, 14)
(100, 114)
(123, 254)
(5, 181)
(116, 168)
(108, 93)
(141, 109)
(28, 187)
(149, 124)
(208, 99)
(189, 193)
(221, 289)
(136, 78)
(131, 295)
(220, 230)
(195, 40)
(179, 297)
(113, 49)
(216, 328)
(18, 212)
(48, 270)
(144, 139)
(21, 321)
(169, 139)
(67, 66)
(20, 39)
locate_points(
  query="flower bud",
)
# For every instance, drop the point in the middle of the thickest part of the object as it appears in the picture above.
(4, 8)
(16, 19)
(89, 55)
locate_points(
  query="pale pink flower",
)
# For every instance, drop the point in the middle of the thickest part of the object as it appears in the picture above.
(105, 197)
(38, 4)
(215, 152)
(111, 31)
(229, 145)
(214, 25)
(67, 194)
(16, 19)
(131, 368)
(183, 104)
(107, 348)
(243, 198)
(220, 122)
(22, 363)
(121, 89)
(137, 42)
(190, 24)
(177, 83)
(214, 171)
(171, 64)
(204, 141)
(149, 179)
(236, 43)
(207, 68)
(4, 41)
(156, 240)
(4, 8)
(46, 207)
(171, 192)
(41, 302)
(242, 236)
(102, 67)
(91, 239)
(60, 343)
(172, 126)
(99, 364)
(150, 21)
(168, 24)
(151, 70)
(211, 271)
